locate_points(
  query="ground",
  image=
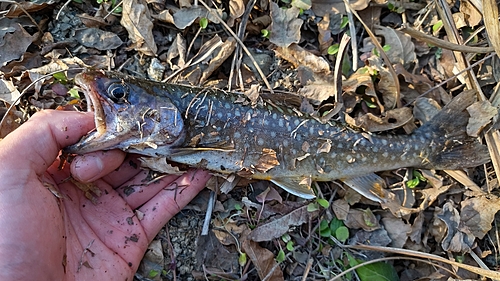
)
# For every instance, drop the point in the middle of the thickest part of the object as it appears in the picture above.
(383, 69)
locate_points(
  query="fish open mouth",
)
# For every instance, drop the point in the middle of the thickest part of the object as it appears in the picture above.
(94, 104)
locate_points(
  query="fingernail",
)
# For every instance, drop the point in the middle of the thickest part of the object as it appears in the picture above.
(87, 168)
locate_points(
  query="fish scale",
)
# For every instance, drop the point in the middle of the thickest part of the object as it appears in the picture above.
(213, 129)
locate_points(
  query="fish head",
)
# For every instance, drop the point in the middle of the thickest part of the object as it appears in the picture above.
(127, 116)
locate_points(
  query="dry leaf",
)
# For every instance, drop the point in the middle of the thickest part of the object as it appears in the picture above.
(98, 39)
(160, 165)
(478, 214)
(263, 260)
(402, 49)
(267, 160)
(397, 230)
(285, 27)
(392, 119)
(14, 42)
(236, 9)
(301, 57)
(322, 7)
(137, 21)
(364, 219)
(481, 113)
(277, 227)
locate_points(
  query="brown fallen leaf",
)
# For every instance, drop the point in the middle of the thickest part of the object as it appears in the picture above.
(478, 213)
(322, 7)
(277, 227)
(14, 42)
(397, 229)
(402, 48)
(298, 56)
(267, 161)
(263, 260)
(137, 20)
(481, 113)
(363, 219)
(98, 39)
(392, 119)
(285, 27)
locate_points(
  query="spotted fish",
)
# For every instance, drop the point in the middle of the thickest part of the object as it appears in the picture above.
(221, 132)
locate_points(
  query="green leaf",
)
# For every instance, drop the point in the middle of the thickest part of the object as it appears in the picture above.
(379, 271)
(312, 207)
(281, 256)
(289, 246)
(333, 49)
(242, 259)
(302, 4)
(74, 93)
(238, 207)
(418, 175)
(286, 237)
(78, 1)
(413, 183)
(265, 33)
(344, 22)
(203, 22)
(323, 203)
(342, 234)
(386, 48)
(437, 26)
(153, 273)
(61, 77)
(324, 230)
(335, 224)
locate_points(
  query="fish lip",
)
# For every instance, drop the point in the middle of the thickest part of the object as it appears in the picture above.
(87, 83)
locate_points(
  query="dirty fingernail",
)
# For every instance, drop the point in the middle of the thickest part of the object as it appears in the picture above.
(87, 168)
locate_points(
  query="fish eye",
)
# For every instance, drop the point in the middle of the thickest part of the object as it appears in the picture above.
(117, 92)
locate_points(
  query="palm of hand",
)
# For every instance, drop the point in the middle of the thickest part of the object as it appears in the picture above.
(70, 238)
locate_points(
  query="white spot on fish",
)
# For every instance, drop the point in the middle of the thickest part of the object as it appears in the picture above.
(281, 122)
(350, 159)
(289, 128)
(237, 113)
(219, 115)
(374, 159)
(296, 122)
(364, 159)
(228, 115)
(333, 154)
(260, 141)
(285, 143)
(237, 135)
(384, 142)
(227, 106)
(385, 154)
(273, 134)
(340, 146)
(375, 149)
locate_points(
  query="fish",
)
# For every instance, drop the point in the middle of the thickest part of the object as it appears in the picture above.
(223, 132)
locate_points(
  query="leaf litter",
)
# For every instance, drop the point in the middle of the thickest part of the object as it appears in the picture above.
(257, 231)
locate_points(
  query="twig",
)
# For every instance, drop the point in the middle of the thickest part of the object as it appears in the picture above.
(264, 78)
(62, 8)
(236, 63)
(444, 44)
(208, 214)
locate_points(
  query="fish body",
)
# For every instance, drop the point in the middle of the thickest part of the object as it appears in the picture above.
(221, 132)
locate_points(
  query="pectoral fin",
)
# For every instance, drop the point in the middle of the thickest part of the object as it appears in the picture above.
(297, 186)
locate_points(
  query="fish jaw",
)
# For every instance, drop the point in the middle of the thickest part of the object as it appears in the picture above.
(127, 118)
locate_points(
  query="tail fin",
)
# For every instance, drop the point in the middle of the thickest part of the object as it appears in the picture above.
(451, 147)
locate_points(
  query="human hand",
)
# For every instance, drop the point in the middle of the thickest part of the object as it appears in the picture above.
(44, 237)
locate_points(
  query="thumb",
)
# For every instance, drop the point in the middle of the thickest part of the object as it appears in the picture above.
(37, 142)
